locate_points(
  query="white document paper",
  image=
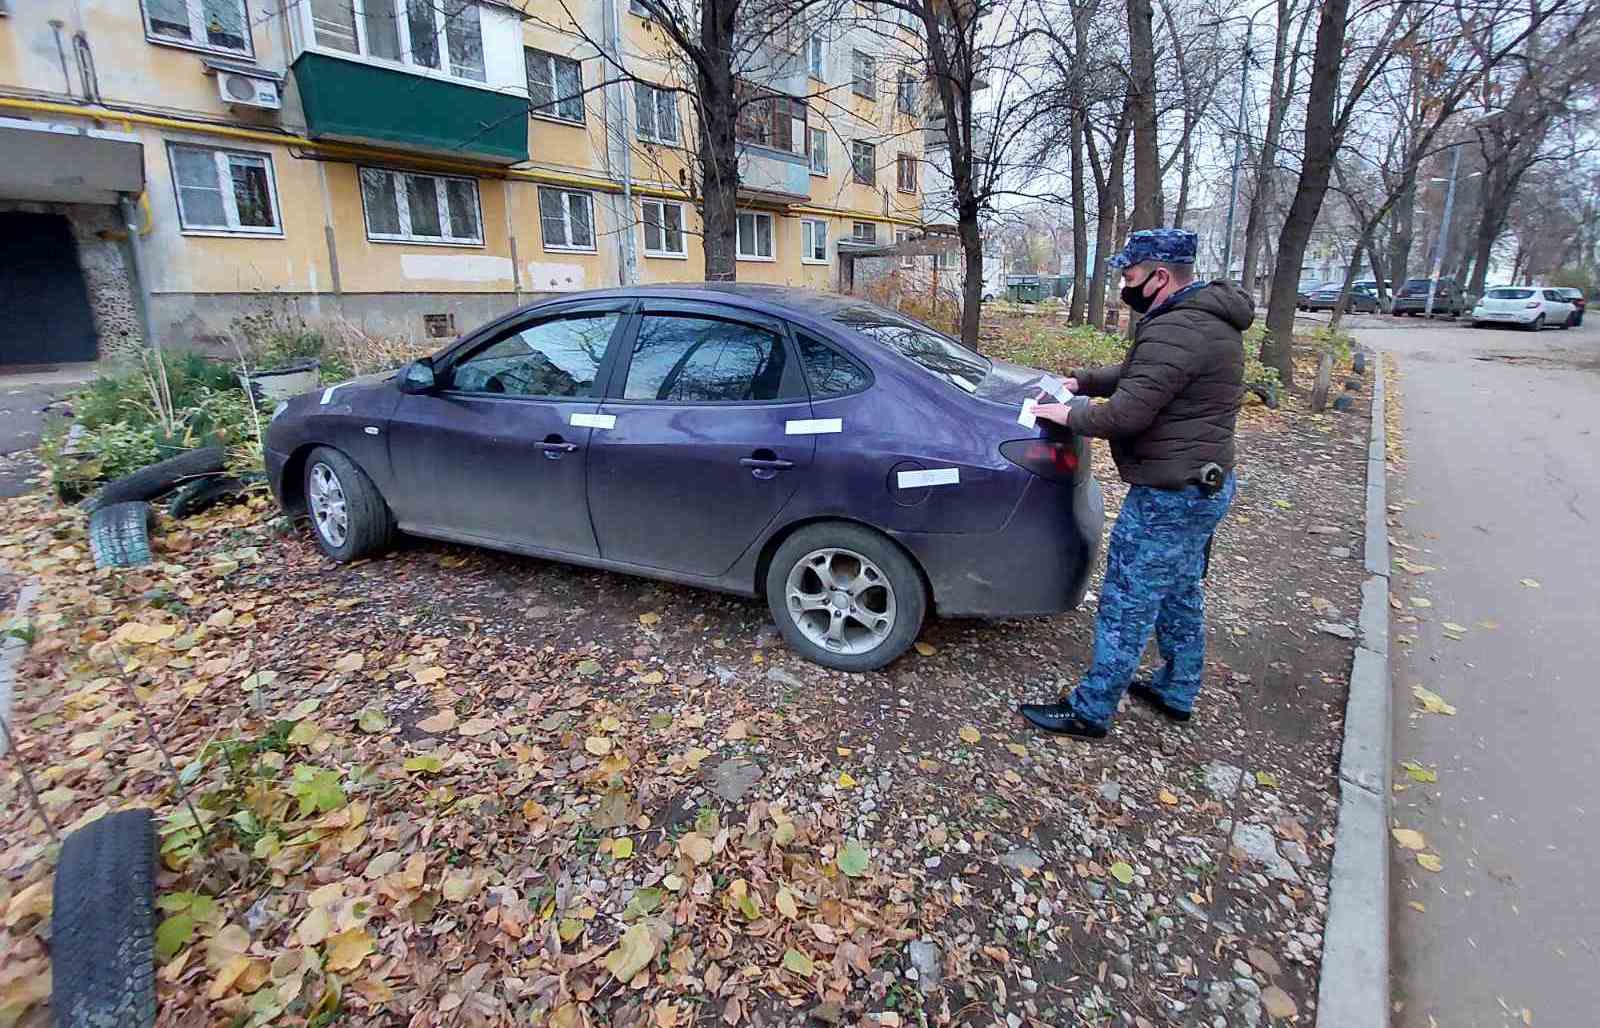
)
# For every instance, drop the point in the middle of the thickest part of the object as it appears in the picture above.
(813, 426)
(1027, 419)
(594, 420)
(933, 476)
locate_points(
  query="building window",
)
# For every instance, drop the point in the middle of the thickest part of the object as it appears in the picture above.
(771, 120)
(905, 173)
(555, 85)
(813, 241)
(657, 110)
(755, 236)
(864, 162)
(947, 259)
(224, 190)
(663, 229)
(864, 232)
(865, 79)
(405, 207)
(816, 56)
(421, 33)
(903, 236)
(566, 219)
(819, 151)
(213, 24)
(906, 93)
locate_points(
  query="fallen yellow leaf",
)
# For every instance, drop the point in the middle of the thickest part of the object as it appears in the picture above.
(1430, 862)
(622, 849)
(476, 726)
(430, 675)
(1167, 797)
(348, 949)
(649, 618)
(1431, 701)
(350, 662)
(637, 948)
(1409, 838)
(598, 745)
(847, 782)
(1531, 583)
(969, 734)
(696, 847)
(786, 904)
(926, 649)
(443, 721)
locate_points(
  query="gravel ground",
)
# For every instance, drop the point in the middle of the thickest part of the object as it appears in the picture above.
(1169, 875)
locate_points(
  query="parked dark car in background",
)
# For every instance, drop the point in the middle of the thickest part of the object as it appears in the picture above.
(1579, 302)
(1303, 294)
(855, 468)
(1412, 298)
(1361, 299)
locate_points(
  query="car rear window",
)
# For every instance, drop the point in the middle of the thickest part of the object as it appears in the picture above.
(1416, 283)
(937, 354)
(1510, 294)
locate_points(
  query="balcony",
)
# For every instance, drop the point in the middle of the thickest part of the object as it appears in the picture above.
(773, 175)
(365, 103)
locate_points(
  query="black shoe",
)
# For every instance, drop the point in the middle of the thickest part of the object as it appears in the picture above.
(1059, 718)
(1144, 692)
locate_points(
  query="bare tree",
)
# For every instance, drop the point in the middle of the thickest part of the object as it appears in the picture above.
(1292, 18)
(1142, 113)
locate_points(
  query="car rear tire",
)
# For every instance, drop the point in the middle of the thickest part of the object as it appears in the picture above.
(1537, 324)
(349, 518)
(845, 596)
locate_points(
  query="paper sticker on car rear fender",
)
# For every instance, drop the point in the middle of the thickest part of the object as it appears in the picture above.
(594, 421)
(933, 476)
(1027, 419)
(813, 426)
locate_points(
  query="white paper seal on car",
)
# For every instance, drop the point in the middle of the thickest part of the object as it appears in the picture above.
(813, 426)
(594, 421)
(932, 476)
(1027, 419)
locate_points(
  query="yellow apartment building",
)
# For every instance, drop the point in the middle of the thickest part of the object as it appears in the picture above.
(416, 166)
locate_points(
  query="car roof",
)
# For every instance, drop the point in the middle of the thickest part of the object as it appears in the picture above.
(773, 299)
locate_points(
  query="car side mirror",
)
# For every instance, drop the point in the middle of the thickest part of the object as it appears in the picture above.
(418, 377)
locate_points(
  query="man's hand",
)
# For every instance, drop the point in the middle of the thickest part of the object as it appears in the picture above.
(1072, 385)
(1055, 412)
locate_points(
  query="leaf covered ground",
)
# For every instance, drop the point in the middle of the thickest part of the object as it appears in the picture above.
(457, 787)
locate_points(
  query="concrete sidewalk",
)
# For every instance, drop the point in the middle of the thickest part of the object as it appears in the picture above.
(23, 398)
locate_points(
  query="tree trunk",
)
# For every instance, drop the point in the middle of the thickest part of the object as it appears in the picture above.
(1185, 174)
(1080, 196)
(1491, 222)
(1142, 104)
(719, 154)
(1401, 227)
(1315, 169)
(1108, 189)
(1277, 102)
(972, 287)
(1350, 274)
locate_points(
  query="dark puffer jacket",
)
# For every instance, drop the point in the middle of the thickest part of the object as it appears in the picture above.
(1174, 399)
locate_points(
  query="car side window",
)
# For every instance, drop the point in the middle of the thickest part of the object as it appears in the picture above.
(1551, 294)
(829, 372)
(683, 358)
(559, 357)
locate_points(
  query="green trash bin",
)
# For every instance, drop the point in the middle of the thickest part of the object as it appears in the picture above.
(1025, 289)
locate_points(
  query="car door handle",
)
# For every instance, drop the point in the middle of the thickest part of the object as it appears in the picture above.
(776, 464)
(556, 447)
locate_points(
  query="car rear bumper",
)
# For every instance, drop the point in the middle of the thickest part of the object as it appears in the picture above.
(1039, 562)
(1506, 317)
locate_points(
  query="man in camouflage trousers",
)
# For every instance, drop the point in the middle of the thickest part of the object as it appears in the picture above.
(1169, 415)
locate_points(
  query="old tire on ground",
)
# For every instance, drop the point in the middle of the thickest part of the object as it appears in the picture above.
(102, 928)
(159, 478)
(196, 496)
(845, 596)
(349, 517)
(119, 535)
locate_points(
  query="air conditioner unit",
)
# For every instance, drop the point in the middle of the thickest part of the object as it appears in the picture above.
(238, 89)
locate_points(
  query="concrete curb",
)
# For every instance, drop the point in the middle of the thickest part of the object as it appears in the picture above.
(11, 651)
(1354, 991)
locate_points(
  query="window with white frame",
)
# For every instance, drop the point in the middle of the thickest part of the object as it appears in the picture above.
(404, 207)
(566, 219)
(657, 111)
(864, 232)
(813, 241)
(663, 229)
(864, 80)
(864, 162)
(555, 85)
(816, 56)
(755, 236)
(904, 236)
(224, 190)
(818, 151)
(213, 24)
(947, 259)
(422, 33)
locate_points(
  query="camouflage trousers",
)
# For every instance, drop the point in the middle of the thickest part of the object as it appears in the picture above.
(1152, 583)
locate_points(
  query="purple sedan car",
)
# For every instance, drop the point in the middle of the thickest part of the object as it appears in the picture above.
(856, 468)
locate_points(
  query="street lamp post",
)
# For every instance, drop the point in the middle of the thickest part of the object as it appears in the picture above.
(1238, 149)
(1444, 231)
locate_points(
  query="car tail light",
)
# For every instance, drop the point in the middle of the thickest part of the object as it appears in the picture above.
(1046, 458)
(1531, 304)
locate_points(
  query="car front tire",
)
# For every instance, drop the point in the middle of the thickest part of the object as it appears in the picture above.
(845, 596)
(349, 518)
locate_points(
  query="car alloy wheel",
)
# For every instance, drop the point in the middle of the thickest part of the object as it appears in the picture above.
(840, 601)
(329, 510)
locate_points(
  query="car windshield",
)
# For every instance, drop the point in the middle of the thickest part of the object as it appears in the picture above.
(938, 354)
(1510, 294)
(1416, 283)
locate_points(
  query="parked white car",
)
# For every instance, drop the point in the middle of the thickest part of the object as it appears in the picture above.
(1531, 307)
